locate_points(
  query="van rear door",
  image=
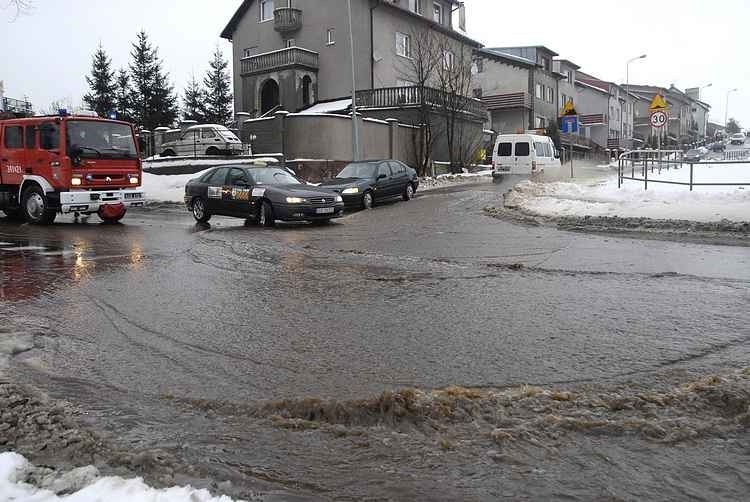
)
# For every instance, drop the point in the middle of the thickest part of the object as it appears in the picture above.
(504, 161)
(522, 157)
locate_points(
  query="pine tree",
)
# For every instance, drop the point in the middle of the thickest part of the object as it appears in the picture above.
(218, 91)
(101, 99)
(123, 94)
(194, 102)
(152, 96)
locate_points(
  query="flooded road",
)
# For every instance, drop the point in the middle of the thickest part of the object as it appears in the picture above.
(421, 350)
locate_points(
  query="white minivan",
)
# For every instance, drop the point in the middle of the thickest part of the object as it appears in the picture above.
(524, 154)
(204, 139)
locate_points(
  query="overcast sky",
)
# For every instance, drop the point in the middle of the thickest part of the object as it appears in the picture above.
(45, 55)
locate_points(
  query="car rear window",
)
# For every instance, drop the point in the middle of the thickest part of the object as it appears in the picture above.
(505, 149)
(522, 149)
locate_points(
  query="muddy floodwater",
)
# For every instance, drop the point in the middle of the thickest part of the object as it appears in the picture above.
(418, 351)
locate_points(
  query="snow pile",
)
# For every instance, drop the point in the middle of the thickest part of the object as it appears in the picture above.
(441, 180)
(154, 162)
(83, 485)
(660, 201)
(167, 188)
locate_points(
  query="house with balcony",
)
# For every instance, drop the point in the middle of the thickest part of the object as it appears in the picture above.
(290, 54)
(504, 83)
(542, 85)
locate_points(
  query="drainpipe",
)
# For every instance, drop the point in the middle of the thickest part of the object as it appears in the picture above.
(373, 6)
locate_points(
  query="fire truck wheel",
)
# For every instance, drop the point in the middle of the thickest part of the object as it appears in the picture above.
(200, 213)
(35, 206)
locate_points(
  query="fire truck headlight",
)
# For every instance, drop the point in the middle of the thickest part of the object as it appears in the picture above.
(76, 182)
(134, 180)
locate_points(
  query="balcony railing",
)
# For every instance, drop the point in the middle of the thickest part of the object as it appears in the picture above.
(16, 106)
(287, 19)
(414, 96)
(278, 60)
(511, 100)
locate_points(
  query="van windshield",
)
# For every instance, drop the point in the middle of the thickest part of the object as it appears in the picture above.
(100, 139)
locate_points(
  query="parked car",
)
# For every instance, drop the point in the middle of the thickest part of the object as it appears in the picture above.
(362, 184)
(524, 154)
(694, 155)
(259, 192)
(204, 139)
(737, 139)
(719, 146)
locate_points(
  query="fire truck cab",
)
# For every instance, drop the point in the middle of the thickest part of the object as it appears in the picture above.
(68, 164)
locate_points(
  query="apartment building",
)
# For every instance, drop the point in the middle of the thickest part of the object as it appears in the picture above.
(289, 54)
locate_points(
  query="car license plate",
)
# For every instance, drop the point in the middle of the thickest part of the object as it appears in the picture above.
(324, 210)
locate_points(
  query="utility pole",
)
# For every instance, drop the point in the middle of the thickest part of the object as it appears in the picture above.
(627, 92)
(355, 127)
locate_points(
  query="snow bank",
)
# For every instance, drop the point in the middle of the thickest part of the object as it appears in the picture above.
(167, 188)
(154, 162)
(660, 201)
(84, 485)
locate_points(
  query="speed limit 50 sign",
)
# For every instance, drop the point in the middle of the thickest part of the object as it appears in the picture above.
(659, 118)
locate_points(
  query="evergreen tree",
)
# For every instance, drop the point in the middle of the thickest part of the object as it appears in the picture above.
(218, 91)
(194, 102)
(101, 99)
(152, 96)
(123, 94)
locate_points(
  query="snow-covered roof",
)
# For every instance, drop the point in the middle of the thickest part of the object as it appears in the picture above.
(328, 107)
(199, 126)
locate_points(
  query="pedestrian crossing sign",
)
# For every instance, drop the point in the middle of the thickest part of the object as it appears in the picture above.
(658, 103)
(569, 109)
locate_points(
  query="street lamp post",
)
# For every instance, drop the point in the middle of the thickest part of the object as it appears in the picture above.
(627, 89)
(726, 108)
(355, 128)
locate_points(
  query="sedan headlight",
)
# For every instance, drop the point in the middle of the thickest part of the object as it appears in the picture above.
(339, 199)
(295, 200)
(350, 191)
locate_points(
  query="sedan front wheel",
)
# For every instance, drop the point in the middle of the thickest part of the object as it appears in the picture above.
(408, 192)
(200, 213)
(367, 200)
(266, 217)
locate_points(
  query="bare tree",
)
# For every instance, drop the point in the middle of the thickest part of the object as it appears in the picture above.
(19, 7)
(463, 133)
(419, 69)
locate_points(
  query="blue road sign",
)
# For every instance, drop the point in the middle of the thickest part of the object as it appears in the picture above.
(570, 124)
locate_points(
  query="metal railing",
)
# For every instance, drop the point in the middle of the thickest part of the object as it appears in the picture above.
(284, 58)
(286, 19)
(510, 100)
(411, 96)
(741, 154)
(657, 160)
(16, 105)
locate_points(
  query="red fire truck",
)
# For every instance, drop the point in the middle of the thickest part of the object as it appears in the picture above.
(68, 164)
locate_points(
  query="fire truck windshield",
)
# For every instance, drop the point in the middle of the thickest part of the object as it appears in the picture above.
(88, 138)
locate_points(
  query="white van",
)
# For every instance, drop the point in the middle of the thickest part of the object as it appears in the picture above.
(524, 154)
(204, 139)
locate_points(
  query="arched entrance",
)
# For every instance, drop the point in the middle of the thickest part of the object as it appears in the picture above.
(269, 96)
(306, 90)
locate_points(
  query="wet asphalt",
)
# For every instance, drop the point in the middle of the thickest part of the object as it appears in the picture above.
(426, 294)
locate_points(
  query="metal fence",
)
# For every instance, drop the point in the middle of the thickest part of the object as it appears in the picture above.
(650, 161)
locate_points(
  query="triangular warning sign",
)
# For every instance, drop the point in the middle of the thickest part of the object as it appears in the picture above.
(658, 103)
(569, 109)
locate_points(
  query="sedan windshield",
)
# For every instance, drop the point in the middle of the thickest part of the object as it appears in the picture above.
(89, 138)
(273, 176)
(358, 170)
